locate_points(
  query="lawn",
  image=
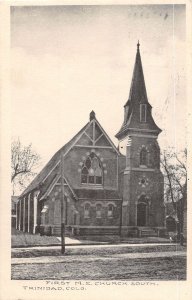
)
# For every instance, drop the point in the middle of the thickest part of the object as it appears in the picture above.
(100, 263)
(94, 252)
(24, 239)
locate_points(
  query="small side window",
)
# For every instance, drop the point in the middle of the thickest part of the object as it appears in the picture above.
(87, 211)
(110, 212)
(98, 211)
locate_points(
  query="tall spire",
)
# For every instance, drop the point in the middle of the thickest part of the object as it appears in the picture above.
(138, 45)
(138, 90)
(137, 104)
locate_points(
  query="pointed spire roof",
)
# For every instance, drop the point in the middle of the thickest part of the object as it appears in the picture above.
(138, 90)
(132, 108)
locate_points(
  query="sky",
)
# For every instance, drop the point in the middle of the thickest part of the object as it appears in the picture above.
(69, 60)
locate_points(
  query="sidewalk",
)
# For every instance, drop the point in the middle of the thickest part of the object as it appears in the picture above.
(79, 245)
(72, 241)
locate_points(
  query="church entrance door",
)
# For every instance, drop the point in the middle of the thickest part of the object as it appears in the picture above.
(141, 214)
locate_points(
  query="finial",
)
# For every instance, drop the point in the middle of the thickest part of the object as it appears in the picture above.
(92, 115)
(138, 45)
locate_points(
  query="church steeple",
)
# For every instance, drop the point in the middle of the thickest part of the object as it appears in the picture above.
(137, 110)
(138, 89)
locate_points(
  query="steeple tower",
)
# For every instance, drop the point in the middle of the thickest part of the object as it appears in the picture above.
(137, 110)
(142, 180)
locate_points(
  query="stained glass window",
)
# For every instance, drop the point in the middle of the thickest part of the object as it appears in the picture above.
(92, 172)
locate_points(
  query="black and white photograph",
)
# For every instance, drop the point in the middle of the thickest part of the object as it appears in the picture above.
(98, 110)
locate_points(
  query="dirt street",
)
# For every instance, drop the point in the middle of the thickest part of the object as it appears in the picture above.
(103, 264)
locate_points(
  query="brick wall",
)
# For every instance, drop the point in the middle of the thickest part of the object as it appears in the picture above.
(104, 220)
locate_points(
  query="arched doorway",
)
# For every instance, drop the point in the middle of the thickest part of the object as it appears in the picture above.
(141, 214)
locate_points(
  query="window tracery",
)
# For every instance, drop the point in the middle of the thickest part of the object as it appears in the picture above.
(92, 172)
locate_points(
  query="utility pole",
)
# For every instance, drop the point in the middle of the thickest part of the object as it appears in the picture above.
(63, 206)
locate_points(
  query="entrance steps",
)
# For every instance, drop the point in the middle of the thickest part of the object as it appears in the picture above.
(142, 231)
(147, 232)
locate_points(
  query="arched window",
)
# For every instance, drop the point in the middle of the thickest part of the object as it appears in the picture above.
(87, 210)
(91, 172)
(98, 211)
(110, 212)
(143, 157)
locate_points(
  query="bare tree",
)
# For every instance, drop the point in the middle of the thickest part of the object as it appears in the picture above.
(24, 161)
(175, 177)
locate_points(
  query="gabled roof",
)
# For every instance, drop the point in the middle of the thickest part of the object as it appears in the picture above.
(35, 184)
(56, 180)
(95, 136)
(40, 178)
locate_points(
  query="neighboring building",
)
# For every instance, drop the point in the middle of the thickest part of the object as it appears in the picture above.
(107, 190)
(14, 200)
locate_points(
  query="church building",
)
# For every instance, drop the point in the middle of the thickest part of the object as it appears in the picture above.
(97, 188)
